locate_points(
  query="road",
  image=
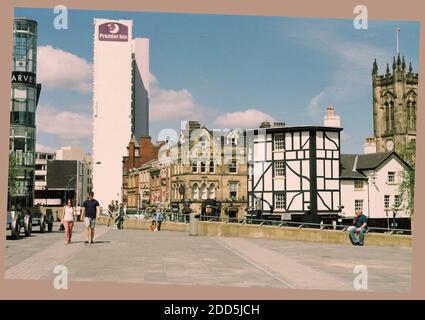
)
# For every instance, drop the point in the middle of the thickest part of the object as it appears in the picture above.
(166, 257)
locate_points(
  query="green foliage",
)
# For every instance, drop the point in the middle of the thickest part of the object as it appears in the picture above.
(13, 172)
(407, 186)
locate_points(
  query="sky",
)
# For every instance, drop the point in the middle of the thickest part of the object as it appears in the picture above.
(223, 70)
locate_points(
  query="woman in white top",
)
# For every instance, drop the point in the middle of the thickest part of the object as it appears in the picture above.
(68, 220)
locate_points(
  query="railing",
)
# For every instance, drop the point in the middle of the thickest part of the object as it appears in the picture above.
(184, 218)
(298, 225)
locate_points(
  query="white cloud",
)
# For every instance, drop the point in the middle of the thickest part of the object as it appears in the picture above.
(166, 105)
(42, 148)
(353, 60)
(250, 118)
(68, 126)
(57, 68)
(314, 109)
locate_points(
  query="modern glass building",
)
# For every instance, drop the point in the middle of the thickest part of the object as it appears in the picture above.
(24, 99)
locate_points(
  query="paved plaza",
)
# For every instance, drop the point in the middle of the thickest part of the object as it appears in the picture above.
(166, 257)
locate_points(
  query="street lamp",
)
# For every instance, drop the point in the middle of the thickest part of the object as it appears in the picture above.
(45, 193)
(72, 177)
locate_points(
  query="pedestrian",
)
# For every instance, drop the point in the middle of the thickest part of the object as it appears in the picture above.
(119, 221)
(154, 221)
(124, 207)
(68, 220)
(78, 212)
(159, 219)
(91, 213)
(358, 228)
(110, 213)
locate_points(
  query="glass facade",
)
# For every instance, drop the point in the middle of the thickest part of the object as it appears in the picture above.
(23, 105)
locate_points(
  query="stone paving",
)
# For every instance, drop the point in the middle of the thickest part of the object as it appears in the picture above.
(166, 257)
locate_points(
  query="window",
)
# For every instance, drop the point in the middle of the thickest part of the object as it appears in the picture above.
(203, 167)
(279, 201)
(212, 166)
(194, 167)
(397, 201)
(231, 141)
(358, 205)
(195, 192)
(391, 177)
(279, 169)
(386, 201)
(203, 191)
(358, 184)
(233, 167)
(279, 141)
(211, 191)
(233, 190)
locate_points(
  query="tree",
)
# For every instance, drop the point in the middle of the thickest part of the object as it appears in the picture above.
(407, 186)
(13, 172)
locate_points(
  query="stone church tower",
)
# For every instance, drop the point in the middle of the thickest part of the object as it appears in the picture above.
(394, 105)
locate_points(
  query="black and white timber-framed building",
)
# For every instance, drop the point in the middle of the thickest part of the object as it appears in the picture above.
(294, 172)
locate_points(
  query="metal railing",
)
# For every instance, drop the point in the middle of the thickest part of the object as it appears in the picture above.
(184, 218)
(294, 224)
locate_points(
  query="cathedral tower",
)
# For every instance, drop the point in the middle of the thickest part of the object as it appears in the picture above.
(394, 105)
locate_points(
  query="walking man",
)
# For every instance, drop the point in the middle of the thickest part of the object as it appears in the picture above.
(91, 211)
(358, 228)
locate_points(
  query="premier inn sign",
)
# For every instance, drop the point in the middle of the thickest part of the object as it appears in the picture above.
(113, 31)
(23, 77)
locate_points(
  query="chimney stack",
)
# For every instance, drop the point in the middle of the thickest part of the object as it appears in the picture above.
(370, 145)
(278, 124)
(193, 125)
(265, 124)
(331, 119)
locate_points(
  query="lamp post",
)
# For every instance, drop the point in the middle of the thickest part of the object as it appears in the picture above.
(45, 193)
(72, 177)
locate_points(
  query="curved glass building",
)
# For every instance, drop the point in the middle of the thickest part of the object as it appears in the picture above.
(24, 99)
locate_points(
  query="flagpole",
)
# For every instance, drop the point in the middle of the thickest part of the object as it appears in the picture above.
(398, 45)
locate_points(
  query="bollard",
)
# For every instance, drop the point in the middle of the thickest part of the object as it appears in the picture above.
(193, 224)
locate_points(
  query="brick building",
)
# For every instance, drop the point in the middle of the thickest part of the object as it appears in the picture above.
(138, 153)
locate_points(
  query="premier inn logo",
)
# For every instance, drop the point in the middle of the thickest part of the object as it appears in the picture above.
(113, 31)
(23, 77)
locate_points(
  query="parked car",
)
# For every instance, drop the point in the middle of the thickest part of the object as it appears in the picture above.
(16, 221)
(42, 219)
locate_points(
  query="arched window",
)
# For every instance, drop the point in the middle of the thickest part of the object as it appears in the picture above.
(212, 166)
(204, 191)
(195, 191)
(203, 167)
(387, 116)
(195, 167)
(211, 191)
(411, 111)
(391, 116)
(388, 112)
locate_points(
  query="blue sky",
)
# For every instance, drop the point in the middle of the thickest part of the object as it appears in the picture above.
(226, 71)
